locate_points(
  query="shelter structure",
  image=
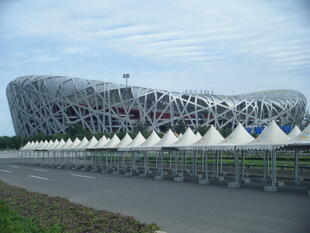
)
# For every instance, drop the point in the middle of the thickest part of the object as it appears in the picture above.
(73, 145)
(81, 145)
(149, 142)
(210, 138)
(57, 145)
(112, 143)
(198, 135)
(101, 143)
(137, 141)
(295, 132)
(167, 140)
(267, 141)
(56, 142)
(178, 157)
(188, 138)
(66, 145)
(93, 141)
(124, 142)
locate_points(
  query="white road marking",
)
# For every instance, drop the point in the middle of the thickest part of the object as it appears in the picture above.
(40, 170)
(89, 177)
(38, 177)
(12, 166)
(7, 171)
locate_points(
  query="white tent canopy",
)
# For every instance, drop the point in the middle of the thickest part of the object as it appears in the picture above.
(303, 139)
(93, 141)
(25, 147)
(137, 141)
(34, 144)
(58, 145)
(38, 145)
(168, 139)
(65, 145)
(198, 135)
(112, 143)
(73, 145)
(210, 138)
(101, 143)
(295, 132)
(55, 143)
(124, 142)
(272, 135)
(150, 141)
(45, 146)
(187, 139)
(239, 136)
(82, 144)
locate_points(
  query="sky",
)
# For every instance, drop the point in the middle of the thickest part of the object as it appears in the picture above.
(222, 46)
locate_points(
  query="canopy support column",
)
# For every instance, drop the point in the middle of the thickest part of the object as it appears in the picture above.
(161, 165)
(236, 183)
(265, 166)
(106, 162)
(145, 164)
(268, 165)
(160, 176)
(179, 177)
(221, 175)
(296, 168)
(133, 163)
(273, 187)
(217, 165)
(242, 164)
(195, 165)
(206, 179)
(176, 163)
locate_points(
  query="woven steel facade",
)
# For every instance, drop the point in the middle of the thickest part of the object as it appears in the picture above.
(49, 104)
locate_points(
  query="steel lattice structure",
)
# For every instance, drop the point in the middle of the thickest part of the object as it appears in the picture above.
(49, 104)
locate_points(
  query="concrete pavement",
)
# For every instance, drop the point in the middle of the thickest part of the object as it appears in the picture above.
(175, 207)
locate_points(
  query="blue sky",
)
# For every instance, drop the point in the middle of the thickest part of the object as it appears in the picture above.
(223, 46)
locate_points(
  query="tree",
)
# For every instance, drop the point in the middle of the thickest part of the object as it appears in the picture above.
(225, 131)
(180, 127)
(139, 126)
(77, 130)
(202, 129)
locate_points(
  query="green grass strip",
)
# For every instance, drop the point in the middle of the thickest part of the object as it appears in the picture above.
(11, 221)
(24, 211)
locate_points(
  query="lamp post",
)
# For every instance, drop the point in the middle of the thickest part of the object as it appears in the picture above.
(126, 76)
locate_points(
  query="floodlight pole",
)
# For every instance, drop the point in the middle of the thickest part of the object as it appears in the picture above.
(126, 76)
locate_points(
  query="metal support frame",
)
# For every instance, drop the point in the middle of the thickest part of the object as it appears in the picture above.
(206, 178)
(236, 184)
(273, 186)
(296, 168)
(50, 96)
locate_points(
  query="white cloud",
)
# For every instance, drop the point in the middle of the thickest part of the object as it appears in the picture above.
(218, 44)
(37, 59)
(73, 50)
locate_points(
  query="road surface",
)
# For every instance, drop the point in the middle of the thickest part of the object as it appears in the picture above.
(175, 207)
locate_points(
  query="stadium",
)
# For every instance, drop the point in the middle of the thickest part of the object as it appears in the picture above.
(49, 104)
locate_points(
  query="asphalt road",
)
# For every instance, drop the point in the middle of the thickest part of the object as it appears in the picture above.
(175, 207)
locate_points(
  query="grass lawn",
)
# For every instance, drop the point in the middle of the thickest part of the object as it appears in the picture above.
(24, 211)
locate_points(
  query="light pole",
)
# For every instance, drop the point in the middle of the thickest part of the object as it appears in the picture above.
(126, 76)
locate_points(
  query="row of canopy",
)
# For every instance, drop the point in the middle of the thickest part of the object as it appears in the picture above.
(272, 137)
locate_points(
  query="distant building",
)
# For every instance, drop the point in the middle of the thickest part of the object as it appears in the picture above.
(49, 104)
